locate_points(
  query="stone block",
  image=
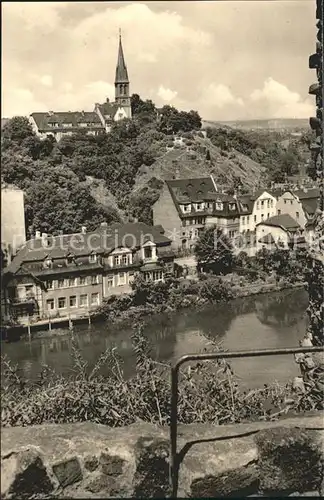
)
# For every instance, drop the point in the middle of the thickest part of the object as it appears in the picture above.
(68, 472)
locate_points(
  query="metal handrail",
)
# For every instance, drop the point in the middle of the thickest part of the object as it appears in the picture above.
(173, 469)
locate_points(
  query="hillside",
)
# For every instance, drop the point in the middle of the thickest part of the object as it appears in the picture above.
(280, 124)
(191, 161)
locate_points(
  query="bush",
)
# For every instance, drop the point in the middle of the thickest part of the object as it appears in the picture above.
(208, 392)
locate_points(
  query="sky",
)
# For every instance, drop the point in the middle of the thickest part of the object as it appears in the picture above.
(229, 60)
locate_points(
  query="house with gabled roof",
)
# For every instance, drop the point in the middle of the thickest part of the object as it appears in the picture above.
(60, 124)
(280, 231)
(72, 274)
(301, 204)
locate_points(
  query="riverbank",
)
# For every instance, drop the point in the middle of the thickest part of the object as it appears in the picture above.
(121, 311)
(157, 298)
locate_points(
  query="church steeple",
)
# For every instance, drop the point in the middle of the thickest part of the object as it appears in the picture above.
(122, 96)
(121, 68)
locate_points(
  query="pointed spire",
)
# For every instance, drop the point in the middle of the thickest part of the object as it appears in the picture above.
(121, 69)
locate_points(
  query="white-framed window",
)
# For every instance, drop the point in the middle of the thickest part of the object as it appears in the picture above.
(121, 279)
(83, 302)
(125, 259)
(232, 206)
(262, 203)
(72, 281)
(255, 218)
(117, 260)
(60, 283)
(285, 201)
(268, 203)
(297, 215)
(148, 252)
(73, 301)
(83, 280)
(61, 302)
(247, 219)
(262, 217)
(279, 211)
(131, 277)
(95, 299)
(258, 205)
(50, 304)
(95, 279)
(219, 206)
(48, 263)
(157, 275)
(93, 258)
(110, 281)
(50, 285)
(243, 221)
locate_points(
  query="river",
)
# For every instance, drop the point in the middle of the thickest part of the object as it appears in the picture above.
(266, 321)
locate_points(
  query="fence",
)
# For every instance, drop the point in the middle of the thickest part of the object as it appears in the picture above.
(174, 462)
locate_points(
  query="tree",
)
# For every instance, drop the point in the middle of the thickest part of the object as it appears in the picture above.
(17, 129)
(214, 251)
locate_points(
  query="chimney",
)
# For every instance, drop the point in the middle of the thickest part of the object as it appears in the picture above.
(83, 229)
(176, 167)
(38, 234)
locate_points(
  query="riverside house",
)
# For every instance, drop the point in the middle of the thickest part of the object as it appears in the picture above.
(186, 206)
(70, 275)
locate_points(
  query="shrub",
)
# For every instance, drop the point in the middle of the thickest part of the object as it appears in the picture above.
(208, 392)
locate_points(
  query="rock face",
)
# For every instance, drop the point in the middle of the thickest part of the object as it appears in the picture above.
(91, 460)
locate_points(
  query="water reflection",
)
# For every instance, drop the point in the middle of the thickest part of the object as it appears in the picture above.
(276, 320)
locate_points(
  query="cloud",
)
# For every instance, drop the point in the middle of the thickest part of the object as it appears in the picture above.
(46, 80)
(166, 95)
(20, 101)
(275, 100)
(221, 72)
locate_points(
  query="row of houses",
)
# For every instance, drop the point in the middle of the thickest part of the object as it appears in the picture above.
(187, 206)
(63, 275)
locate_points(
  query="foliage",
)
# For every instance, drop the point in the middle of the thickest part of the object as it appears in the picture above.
(214, 251)
(267, 148)
(208, 392)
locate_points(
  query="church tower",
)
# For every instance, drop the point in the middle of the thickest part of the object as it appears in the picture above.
(122, 96)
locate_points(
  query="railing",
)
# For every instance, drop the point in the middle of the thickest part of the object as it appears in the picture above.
(174, 457)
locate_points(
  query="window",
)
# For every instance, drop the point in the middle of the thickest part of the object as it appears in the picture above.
(48, 263)
(147, 252)
(73, 301)
(83, 280)
(95, 299)
(247, 219)
(61, 302)
(232, 206)
(121, 279)
(219, 206)
(279, 212)
(83, 300)
(258, 205)
(291, 202)
(50, 304)
(116, 260)
(255, 218)
(93, 258)
(50, 285)
(60, 283)
(285, 201)
(268, 203)
(29, 288)
(268, 215)
(157, 275)
(110, 281)
(70, 259)
(262, 217)
(271, 203)
(95, 279)
(243, 221)
(125, 260)
(72, 281)
(297, 215)
(262, 203)
(186, 208)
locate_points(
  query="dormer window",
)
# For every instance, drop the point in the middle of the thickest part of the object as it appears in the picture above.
(232, 206)
(48, 263)
(219, 205)
(69, 259)
(189, 186)
(93, 258)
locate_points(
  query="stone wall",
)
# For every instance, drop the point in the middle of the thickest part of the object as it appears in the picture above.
(91, 460)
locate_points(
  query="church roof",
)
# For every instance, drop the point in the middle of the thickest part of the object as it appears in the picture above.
(121, 69)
